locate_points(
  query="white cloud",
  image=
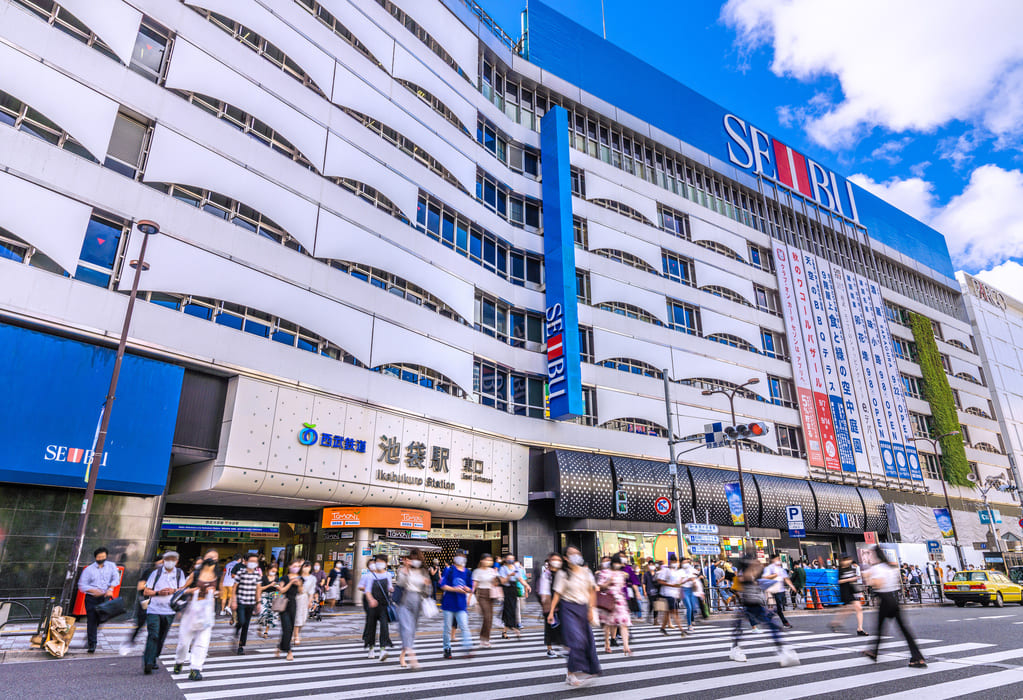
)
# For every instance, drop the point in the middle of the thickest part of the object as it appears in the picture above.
(983, 225)
(890, 151)
(907, 65)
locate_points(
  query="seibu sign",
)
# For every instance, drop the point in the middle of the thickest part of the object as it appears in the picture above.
(751, 149)
(376, 517)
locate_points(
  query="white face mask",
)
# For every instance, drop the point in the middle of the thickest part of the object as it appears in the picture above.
(459, 561)
(415, 563)
(576, 559)
(674, 566)
(555, 565)
(605, 565)
(316, 568)
(169, 565)
(250, 565)
(380, 566)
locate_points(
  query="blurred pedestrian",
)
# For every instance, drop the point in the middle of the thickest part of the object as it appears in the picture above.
(160, 586)
(551, 628)
(414, 582)
(884, 579)
(456, 582)
(376, 586)
(290, 587)
(97, 583)
(484, 582)
(574, 602)
(245, 602)
(197, 621)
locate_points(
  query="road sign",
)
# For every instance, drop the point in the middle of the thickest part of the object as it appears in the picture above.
(794, 514)
(933, 547)
(870, 537)
(989, 514)
(702, 528)
(1021, 522)
(702, 539)
(711, 549)
(714, 434)
(621, 502)
(662, 505)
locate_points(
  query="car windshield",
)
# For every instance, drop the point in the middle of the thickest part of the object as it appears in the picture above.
(970, 576)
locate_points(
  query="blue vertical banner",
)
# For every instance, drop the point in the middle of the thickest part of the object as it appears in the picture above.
(733, 494)
(944, 519)
(564, 371)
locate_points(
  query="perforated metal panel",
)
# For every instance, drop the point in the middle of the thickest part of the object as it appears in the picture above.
(585, 486)
(836, 498)
(777, 493)
(644, 481)
(709, 495)
(877, 516)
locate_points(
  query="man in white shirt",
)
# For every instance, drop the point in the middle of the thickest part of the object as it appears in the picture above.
(689, 576)
(669, 579)
(160, 586)
(777, 573)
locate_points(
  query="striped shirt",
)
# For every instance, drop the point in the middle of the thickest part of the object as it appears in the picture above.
(246, 581)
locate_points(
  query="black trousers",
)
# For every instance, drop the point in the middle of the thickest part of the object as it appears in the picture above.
(157, 627)
(510, 607)
(92, 618)
(245, 612)
(889, 608)
(779, 600)
(376, 617)
(287, 626)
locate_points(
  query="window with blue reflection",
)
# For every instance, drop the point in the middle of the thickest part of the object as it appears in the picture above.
(198, 311)
(85, 274)
(257, 328)
(100, 244)
(230, 321)
(304, 344)
(282, 337)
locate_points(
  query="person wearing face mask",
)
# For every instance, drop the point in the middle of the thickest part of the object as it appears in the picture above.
(141, 603)
(651, 589)
(512, 577)
(269, 588)
(456, 582)
(574, 602)
(612, 581)
(434, 571)
(97, 583)
(377, 587)
(290, 587)
(414, 582)
(484, 583)
(669, 580)
(247, 577)
(160, 586)
(202, 585)
(551, 630)
(304, 599)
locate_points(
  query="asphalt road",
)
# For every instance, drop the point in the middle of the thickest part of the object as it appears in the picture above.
(976, 652)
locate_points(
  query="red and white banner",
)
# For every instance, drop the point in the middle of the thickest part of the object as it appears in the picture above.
(800, 367)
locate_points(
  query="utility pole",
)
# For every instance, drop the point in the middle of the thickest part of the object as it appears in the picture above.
(672, 466)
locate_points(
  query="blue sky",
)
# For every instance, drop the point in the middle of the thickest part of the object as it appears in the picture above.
(920, 101)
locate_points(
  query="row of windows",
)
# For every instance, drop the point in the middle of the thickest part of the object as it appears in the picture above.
(505, 390)
(517, 157)
(508, 324)
(519, 210)
(397, 286)
(435, 103)
(467, 238)
(423, 36)
(237, 213)
(333, 24)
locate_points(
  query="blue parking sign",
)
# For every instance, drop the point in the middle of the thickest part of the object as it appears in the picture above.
(794, 515)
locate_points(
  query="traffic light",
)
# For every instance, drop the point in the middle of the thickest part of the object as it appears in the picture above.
(744, 431)
(621, 502)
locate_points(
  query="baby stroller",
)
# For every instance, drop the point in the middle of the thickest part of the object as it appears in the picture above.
(316, 610)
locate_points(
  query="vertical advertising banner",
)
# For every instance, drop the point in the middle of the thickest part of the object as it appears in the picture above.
(944, 520)
(829, 443)
(865, 360)
(816, 269)
(800, 369)
(850, 365)
(882, 372)
(733, 494)
(905, 425)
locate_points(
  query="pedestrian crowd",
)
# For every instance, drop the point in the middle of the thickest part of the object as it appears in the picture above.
(619, 593)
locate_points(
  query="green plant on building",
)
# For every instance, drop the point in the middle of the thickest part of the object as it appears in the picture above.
(939, 395)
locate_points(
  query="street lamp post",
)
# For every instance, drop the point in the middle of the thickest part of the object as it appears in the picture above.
(672, 466)
(738, 458)
(992, 482)
(147, 228)
(944, 488)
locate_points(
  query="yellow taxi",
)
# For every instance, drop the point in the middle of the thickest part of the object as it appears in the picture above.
(984, 587)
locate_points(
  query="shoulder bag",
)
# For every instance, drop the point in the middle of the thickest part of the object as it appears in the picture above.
(392, 611)
(280, 603)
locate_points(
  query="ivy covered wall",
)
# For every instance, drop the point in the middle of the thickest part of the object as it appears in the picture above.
(939, 395)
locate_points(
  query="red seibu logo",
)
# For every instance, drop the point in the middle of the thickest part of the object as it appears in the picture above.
(74, 455)
(752, 149)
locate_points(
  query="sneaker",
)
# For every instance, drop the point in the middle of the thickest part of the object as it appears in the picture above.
(572, 680)
(383, 655)
(788, 657)
(372, 654)
(788, 626)
(177, 668)
(552, 654)
(447, 653)
(194, 675)
(124, 649)
(757, 630)
(737, 654)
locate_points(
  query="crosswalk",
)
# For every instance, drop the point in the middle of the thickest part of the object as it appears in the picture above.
(662, 666)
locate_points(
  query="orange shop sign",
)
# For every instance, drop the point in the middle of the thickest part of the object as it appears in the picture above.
(376, 517)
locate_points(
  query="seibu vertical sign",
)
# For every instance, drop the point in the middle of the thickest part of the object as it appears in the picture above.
(564, 371)
(800, 367)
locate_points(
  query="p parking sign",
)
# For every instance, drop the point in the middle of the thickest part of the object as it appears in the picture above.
(794, 515)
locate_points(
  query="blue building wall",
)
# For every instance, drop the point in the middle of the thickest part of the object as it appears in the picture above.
(574, 53)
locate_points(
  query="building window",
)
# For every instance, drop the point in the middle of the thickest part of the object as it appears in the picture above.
(101, 250)
(956, 399)
(946, 364)
(509, 325)
(423, 376)
(630, 311)
(332, 23)
(678, 268)
(17, 114)
(761, 258)
(58, 17)
(517, 209)
(913, 386)
(767, 300)
(732, 341)
(774, 344)
(721, 249)
(896, 313)
(726, 293)
(905, 349)
(128, 144)
(589, 416)
(148, 58)
(684, 317)
(936, 329)
(923, 425)
(582, 286)
(790, 441)
(623, 209)
(578, 181)
(630, 366)
(423, 36)
(931, 466)
(580, 232)
(674, 222)
(585, 343)
(636, 425)
(499, 388)
(967, 377)
(974, 411)
(371, 196)
(783, 393)
(399, 287)
(247, 124)
(18, 250)
(625, 258)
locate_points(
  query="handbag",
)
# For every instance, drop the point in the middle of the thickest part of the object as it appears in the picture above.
(429, 608)
(280, 603)
(178, 600)
(110, 608)
(660, 605)
(606, 601)
(470, 602)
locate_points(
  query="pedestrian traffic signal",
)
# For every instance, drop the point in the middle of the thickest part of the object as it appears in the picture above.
(621, 502)
(745, 431)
